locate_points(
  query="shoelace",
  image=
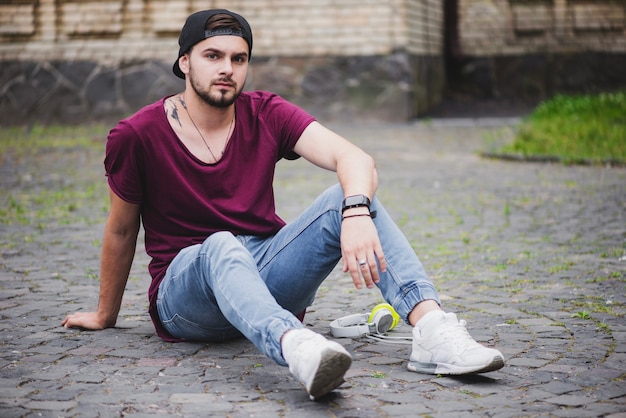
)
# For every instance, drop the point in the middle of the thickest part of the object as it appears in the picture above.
(457, 334)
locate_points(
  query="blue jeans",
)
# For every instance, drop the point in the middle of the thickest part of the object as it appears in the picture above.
(230, 286)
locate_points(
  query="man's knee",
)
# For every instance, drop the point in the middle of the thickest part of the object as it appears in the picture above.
(224, 245)
(224, 237)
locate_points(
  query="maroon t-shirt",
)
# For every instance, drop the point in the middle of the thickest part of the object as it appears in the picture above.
(184, 200)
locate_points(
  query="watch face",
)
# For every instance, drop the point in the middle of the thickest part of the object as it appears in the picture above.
(359, 200)
(354, 200)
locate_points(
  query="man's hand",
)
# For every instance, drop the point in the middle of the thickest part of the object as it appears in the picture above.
(118, 251)
(361, 251)
(85, 320)
(356, 170)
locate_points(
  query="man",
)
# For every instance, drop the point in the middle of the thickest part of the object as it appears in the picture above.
(197, 169)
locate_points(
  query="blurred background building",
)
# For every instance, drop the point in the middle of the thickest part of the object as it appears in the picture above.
(64, 61)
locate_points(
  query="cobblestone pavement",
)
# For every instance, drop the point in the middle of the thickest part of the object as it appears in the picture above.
(531, 255)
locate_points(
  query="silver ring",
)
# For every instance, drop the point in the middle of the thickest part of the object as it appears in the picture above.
(363, 263)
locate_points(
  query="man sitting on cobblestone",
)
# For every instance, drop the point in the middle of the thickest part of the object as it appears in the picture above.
(197, 169)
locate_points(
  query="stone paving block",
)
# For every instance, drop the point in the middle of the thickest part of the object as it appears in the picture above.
(536, 322)
(568, 369)
(318, 410)
(127, 353)
(603, 373)
(612, 390)
(50, 405)
(603, 410)
(12, 411)
(527, 362)
(41, 358)
(201, 403)
(406, 409)
(383, 360)
(570, 400)
(559, 388)
(481, 389)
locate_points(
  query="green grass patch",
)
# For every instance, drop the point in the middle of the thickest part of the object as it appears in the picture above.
(583, 129)
(49, 175)
(22, 141)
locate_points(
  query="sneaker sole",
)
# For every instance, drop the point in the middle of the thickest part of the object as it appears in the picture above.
(452, 369)
(329, 374)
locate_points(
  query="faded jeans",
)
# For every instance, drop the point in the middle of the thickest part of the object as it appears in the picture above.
(233, 285)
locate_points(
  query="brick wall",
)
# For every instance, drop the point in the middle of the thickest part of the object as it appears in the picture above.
(516, 27)
(425, 27)
(529, 50)
(116, 30)
(64, 60)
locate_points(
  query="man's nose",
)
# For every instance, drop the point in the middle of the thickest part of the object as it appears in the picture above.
(226, 67)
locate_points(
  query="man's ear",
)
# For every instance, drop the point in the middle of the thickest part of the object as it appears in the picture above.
(183, 63)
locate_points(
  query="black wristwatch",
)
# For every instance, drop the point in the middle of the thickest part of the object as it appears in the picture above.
(356, 201)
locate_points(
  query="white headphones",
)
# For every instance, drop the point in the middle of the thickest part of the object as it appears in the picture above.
(383, 318)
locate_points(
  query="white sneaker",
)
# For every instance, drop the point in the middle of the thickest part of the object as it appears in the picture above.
(442, 345)
(319, 364)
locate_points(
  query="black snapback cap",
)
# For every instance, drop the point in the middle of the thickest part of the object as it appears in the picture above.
(195, 31)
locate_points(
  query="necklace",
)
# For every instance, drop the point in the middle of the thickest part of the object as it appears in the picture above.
(232, 121)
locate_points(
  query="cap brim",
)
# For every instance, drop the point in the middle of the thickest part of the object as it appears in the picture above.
(177, 71)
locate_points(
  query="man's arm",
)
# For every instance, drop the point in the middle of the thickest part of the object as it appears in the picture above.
(356, 171)
(118, 251)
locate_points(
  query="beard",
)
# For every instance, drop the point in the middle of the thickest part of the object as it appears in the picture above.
(220, 98)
